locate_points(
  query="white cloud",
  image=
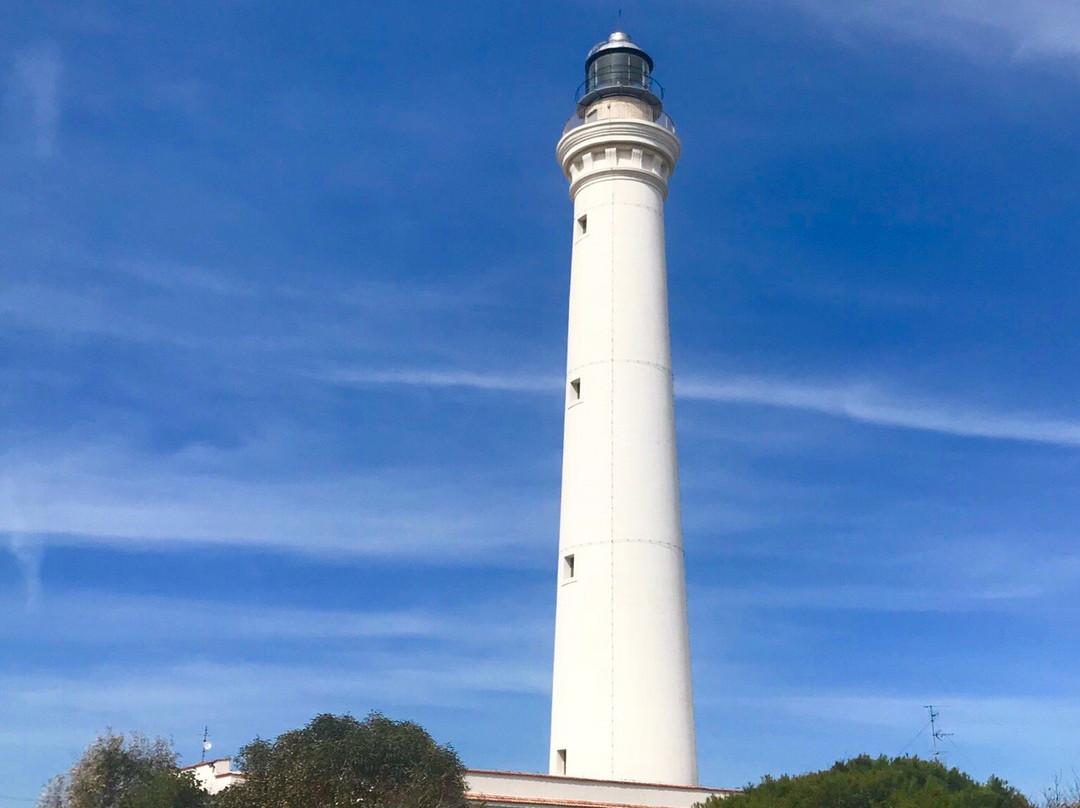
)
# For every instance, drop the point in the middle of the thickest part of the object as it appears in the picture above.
(118, 620)
(107, 494)
(52, 716)
(362, 313)
(503, 383)
(977, 573)
(101, 495)
(236, 693)
(1025, 737)
(48, 717)
(1025, 27)
(27, 549)
(170, 666)
(989, 720)
(33, 96)
(28, 552)
(885, 597)
(862, 401)
(867, 403)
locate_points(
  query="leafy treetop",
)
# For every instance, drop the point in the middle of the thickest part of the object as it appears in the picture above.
(119, 772)
(866, 782)
(338, 761)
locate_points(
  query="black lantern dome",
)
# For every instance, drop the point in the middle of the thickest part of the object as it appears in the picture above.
(617, 66)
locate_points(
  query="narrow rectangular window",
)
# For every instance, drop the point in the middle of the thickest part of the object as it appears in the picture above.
(582, 224)
(568, 567)
(575, 390)
(560, 762)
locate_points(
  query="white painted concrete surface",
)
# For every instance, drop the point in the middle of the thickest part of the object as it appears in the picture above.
(215, 775)
(513, 789)
(622, 704)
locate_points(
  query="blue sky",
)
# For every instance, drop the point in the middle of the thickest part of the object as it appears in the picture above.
(282, 325)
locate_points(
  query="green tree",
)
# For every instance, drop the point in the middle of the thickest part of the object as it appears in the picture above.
(338, 761)
(865, 782)
(119, 772)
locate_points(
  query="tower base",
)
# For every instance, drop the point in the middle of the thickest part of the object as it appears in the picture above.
(522, 790)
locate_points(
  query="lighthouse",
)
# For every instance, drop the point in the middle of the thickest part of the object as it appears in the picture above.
(622, 703)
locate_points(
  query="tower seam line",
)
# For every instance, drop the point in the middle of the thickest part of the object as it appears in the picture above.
(656, 365)
(673, 545)
(611, 521)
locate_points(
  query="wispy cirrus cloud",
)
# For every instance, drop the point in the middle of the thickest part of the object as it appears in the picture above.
(28, 552)
(1025, 27)
(121, 620)
(868, 402)
(168, 301)
(878, 598)
(53, 715)
(26, 549)
(986, 719)
(466, 379)
(32, 96)
(1018, 719)
(845, 721)
(101, 495)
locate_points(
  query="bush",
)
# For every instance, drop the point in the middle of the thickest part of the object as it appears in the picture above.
(116, 772)
(865, 782)
(337, 761)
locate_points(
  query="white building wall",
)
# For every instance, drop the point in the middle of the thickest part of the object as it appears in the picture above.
(215, 775)
(622, 706)
(514, 790)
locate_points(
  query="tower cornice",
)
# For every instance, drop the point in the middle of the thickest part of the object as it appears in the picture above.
(639, 149)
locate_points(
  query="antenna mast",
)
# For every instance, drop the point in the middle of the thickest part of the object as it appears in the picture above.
(935, 733)
(206, 745)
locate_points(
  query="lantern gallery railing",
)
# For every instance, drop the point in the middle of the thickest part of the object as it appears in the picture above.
(622, 76)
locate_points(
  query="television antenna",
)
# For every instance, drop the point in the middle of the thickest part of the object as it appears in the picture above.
(936, 734)
(206, 745)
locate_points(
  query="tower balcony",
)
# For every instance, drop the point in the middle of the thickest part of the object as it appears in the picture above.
(630, 93)
(619, 79)
(581, 117)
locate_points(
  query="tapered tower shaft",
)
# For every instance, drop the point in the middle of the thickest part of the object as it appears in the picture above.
(622, 704)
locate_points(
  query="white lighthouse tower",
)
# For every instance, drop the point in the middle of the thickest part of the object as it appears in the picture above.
(622, 704)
